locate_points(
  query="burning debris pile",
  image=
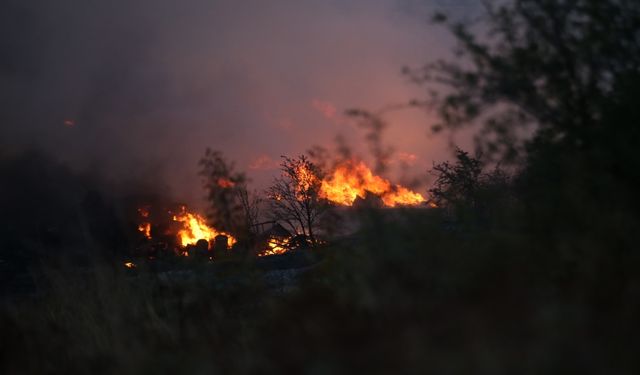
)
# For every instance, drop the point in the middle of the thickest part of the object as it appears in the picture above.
(276, 246)
(180, 231)
(185, 233)
(194, 228)
(279, 240)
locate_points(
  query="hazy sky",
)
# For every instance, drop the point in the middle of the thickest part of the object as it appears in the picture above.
(142, 87)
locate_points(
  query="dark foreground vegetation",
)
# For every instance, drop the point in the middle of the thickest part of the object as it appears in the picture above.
(532, 271)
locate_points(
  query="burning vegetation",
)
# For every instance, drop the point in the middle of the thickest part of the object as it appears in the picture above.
(352, 179)
(298, 199)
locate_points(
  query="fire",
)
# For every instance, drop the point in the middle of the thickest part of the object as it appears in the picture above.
(353, 179)
(306, 180)
(144, 227)
(144, 212)
(276, 246)
(226, 183)
(194, 228)
(129, 265)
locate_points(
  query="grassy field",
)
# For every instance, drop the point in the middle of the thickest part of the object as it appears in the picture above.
(404, 295)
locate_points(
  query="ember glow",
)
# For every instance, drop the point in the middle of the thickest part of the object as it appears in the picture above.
(145, 226)
(354, 179)
(194, 228)
(226, 183)
(129, 265)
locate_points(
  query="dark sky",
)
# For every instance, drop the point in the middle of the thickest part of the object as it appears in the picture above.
(142, 87)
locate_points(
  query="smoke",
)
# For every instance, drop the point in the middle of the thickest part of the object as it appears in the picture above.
(139, 89)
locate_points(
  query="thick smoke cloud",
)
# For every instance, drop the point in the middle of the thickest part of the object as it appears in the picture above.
(139, 89)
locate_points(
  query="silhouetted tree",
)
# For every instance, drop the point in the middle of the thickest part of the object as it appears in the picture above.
(251, 203)
(294, 196)
(554, 64)
(465, 187)
(232, 207)
(554, 87)
(457, 183)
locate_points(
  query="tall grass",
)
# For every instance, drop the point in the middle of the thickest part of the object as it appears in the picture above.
(409, 293)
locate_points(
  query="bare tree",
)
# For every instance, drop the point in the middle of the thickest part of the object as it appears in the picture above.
(294, 196)
(231, 206)
(251, 202)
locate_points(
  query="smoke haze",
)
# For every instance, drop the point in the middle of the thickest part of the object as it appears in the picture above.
(139, 89)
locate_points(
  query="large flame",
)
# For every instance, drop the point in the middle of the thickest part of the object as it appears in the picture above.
(354, 179)
(194, 228)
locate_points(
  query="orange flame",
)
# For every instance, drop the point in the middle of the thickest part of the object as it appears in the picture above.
(194, 228)
(129, 265)
(306, 180)
(226, 183)
(145, 226)
(143, 211)
(353, 179)
(276, 246)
